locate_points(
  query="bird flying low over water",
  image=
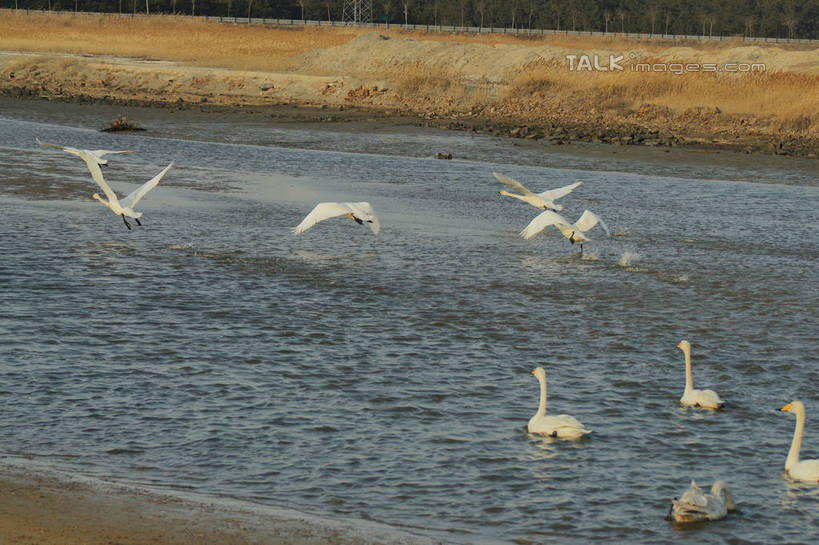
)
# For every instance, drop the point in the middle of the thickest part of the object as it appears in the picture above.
(575, 232)
(85, 154)
(122, 207)
(544, 201)
(360, 212)
(694, 506)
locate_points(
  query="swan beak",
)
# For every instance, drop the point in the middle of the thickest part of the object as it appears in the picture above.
(786, 408)
(533, 371)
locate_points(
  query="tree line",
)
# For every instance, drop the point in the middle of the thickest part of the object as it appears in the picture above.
(766, 18)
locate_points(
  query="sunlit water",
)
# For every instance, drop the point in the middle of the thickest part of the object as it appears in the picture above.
(387, 377)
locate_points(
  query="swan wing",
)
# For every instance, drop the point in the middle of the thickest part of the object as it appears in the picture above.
(554, 194)
(100, 153)
(693, 497)
(514, 184)
(134, 197)
(541, 221)
(364, 211)
(96, 173)
(321, 212)
(805, 470)
(588, 220)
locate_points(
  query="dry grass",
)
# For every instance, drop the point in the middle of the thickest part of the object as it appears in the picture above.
(788, 98)
(165, 37)
(783, 99)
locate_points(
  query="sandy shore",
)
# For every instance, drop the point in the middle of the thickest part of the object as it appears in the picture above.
(39, 506)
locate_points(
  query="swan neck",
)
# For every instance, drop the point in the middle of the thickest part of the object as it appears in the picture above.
(541, 410)
(796, 444)
(689, 381)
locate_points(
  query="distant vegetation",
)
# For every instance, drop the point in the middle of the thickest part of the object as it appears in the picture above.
(768, 18)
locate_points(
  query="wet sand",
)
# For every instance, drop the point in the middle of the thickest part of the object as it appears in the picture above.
(43, 507)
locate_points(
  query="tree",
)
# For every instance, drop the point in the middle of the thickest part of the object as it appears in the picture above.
(621, 14)
(749, 25)
(249, 6)
(480, 7)
(406, 4)
(607, 18)
(652, 14)
(387, 7)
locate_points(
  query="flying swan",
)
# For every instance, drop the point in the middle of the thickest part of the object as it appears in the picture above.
(806, 470)
(696, 398)
(361, 212)
(85, 154)
(562, 426)
(694, 506)
(544, 201)
(124, 207)
(574, 232)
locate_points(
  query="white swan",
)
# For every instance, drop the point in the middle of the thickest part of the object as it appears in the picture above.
(696, 398)
(805, 470)
(563, 426)
(361, 212)
(575, 232)
(85, 154)
(124, 207)
(694, 506)
(544, 201)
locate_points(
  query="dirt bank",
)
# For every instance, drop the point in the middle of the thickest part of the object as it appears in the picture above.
(523, 90)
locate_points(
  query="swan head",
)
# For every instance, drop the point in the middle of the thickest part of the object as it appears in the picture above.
(539, 372)
(96, 196)
(793, 407)
(685, 346)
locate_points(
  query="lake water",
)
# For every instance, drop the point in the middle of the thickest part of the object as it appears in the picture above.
(388, 378)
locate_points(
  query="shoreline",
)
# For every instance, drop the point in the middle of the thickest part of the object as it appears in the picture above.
(291, 97)
(44, 505)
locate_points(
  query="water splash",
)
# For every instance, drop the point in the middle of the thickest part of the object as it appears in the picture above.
(629, 259)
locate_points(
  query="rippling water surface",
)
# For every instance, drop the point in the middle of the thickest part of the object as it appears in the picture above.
(387, 377)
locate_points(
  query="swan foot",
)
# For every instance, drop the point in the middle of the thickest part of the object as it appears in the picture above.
(128, 225)
(697, 404)
(137, 220)
(358, 221)
(553, 434)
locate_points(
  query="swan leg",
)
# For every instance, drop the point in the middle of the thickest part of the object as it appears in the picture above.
(128, 225)
(137, 220)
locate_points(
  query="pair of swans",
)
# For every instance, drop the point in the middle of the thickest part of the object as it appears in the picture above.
(360, 212)
(575, 232)
(695, 506)
(122, 207)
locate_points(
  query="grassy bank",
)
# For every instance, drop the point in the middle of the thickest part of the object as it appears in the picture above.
(497, 82)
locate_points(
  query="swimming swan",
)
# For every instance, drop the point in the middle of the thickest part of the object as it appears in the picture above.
(544, 201)
(574, 232)
(562, 426)
(806, 470)
(361, 212)
(694, 506)
(696, 398)
(85, 154)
